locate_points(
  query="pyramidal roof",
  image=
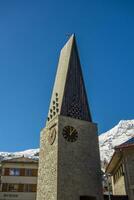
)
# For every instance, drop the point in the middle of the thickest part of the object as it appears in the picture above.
(69, 95)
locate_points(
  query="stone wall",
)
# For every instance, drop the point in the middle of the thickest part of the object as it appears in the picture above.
(68, 170)
(78, 162)
(47, 173)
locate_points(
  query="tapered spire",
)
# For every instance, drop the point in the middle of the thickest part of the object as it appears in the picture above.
(69, 95)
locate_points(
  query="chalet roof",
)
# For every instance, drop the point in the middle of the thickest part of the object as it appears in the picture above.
(117, 154)
(20, 160)
(128, 143)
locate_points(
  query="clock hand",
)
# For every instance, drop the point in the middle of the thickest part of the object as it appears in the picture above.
(72, 131)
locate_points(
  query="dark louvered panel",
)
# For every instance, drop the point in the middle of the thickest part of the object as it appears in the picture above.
(75, 102)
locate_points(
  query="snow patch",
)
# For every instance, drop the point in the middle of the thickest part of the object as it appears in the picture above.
(119, 134)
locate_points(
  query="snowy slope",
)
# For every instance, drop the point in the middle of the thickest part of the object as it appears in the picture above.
(123, 131)
(30, 153)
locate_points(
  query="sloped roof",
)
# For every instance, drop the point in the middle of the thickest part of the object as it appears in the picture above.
(117, 154)
(20, 160)
(128, 143)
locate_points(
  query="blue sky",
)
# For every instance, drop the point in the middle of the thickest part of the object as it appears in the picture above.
(31, 36)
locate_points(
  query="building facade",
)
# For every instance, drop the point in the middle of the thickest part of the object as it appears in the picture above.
(69, 162)
(18, 179)
(121, 169)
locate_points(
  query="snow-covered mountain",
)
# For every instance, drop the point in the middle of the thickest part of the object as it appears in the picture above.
(30, 153)
(119, 134)
(123, 131)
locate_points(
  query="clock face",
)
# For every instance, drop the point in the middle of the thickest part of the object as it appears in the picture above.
(70, 133)
(52, 136)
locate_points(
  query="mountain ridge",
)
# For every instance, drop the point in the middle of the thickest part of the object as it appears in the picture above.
(119, 134)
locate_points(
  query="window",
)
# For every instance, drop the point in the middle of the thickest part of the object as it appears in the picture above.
(30, 187)
(35, 172)
(20, 172)
(13, 188)
(5, 171)
(4, 187)
(28, 172)
(31, 172)
(14, 172)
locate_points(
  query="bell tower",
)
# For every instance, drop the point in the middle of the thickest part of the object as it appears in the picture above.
(69, 162)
